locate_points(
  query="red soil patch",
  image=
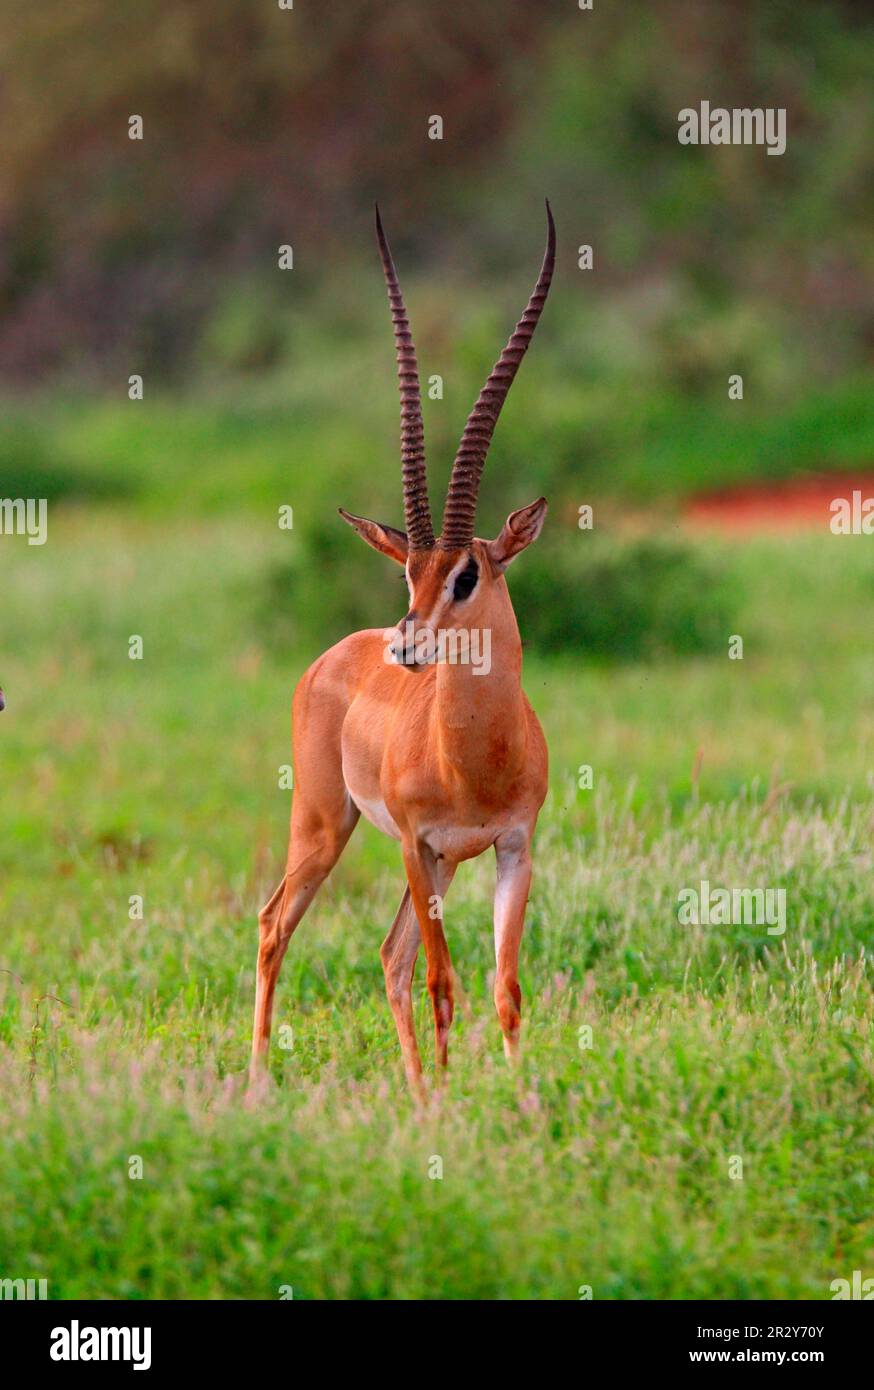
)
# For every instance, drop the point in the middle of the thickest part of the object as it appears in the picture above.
(796, 504)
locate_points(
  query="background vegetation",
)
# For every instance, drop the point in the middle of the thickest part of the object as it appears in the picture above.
(605, 1166)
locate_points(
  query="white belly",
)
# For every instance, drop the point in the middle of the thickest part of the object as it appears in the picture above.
(377, 813)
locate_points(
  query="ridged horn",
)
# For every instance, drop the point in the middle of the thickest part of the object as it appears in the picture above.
(459, 514)
(417, 512)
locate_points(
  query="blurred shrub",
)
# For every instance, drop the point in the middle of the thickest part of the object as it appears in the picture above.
(31, 465)
(259, 124)
(333, 585)
(264, 126)
(244, 333)
(593, 597)
(621, 600)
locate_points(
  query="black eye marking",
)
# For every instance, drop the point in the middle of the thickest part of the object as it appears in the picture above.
(465, 582)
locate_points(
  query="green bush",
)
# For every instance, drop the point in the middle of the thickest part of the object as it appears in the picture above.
(333, 585)
(620, 600)
(33, 464)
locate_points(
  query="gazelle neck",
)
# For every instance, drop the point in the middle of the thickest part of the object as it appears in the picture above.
(479, 703)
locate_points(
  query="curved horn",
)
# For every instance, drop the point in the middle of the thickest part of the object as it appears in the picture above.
(460, 511)
(417, 513)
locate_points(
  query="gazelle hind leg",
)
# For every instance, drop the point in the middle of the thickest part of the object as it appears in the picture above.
(398, 954)
(429, 879)
(315, 846)
(513, 854)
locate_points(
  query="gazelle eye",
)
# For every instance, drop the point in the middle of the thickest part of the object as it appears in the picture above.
(465, 582)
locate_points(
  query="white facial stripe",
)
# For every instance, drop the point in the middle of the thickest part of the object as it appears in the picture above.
(453, 575)
(448, 587)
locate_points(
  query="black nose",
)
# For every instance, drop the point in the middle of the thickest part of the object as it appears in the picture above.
(2, 700)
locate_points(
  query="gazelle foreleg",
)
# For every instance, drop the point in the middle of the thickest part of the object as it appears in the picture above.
(315, 847)
(429, 877)
(513, 852)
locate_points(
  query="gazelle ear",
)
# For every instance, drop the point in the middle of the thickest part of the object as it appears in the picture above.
(520, 529)
(383, 538)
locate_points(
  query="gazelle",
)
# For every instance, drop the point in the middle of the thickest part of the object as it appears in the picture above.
(446, 758)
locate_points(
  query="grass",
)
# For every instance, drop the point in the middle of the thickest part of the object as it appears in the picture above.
(603, 1165)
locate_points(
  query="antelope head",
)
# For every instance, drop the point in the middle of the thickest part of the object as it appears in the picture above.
(455, 579)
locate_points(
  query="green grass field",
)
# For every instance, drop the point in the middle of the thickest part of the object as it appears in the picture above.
(607, 1165)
